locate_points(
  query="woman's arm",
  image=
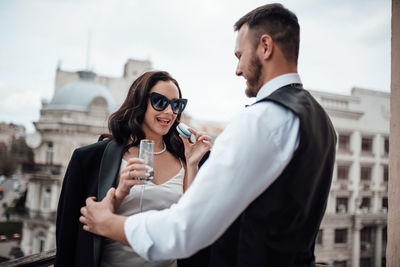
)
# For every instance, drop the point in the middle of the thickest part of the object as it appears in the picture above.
(194, 154)
(190, 172)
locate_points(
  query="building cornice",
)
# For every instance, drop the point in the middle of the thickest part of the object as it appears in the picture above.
(347, 114)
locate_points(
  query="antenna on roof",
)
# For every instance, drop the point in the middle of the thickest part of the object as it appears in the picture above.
(88, 51)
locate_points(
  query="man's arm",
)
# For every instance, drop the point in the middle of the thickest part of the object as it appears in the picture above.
(99, 218)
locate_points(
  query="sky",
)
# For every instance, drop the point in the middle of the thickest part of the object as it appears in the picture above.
(344, 44)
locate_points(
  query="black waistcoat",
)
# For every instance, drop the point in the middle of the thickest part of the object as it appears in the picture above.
(279, 227)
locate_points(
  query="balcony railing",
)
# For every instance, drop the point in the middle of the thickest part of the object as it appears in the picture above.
(47, 259)
(36, 260)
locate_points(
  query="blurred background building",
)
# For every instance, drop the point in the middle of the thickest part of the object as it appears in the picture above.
(353, 231)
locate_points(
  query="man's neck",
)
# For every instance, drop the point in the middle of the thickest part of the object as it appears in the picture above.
(275, 71)
(276, 83)
(276, 66)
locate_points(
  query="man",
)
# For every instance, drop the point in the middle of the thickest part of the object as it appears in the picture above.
(264, 188)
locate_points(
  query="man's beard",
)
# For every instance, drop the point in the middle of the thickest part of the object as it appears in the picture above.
(254, 82)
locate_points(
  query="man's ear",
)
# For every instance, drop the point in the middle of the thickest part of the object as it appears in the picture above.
(267, 46)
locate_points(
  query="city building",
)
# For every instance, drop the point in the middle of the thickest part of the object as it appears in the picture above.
(353, 231)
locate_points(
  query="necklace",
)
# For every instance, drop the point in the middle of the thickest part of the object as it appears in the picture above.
(162, 150)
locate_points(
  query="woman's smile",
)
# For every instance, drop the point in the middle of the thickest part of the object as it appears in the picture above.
(163, 121)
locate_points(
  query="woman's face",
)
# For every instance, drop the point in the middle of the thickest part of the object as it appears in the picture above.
(155, 122)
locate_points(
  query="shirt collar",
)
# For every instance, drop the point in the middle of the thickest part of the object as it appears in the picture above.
(277, 83)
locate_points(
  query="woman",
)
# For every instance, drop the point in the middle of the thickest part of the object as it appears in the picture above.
(151, 110)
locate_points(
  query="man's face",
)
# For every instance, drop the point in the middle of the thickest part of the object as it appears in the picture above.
(249, 65)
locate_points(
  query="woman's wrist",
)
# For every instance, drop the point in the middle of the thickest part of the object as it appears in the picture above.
(192, 163)
(192, 167)
(119, 196)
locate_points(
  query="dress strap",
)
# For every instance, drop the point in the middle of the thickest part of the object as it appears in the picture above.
(181, 162)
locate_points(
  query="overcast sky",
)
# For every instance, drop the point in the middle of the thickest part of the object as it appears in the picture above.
(344, 43)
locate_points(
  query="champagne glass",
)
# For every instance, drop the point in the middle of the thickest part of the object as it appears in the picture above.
(146, 153)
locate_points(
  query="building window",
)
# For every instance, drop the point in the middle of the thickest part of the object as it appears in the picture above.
(343, 172)
(49, 153)
(344, 142)
(366, 144)
(41, 241)
(340, 264)
(340, 236)
(41, 245)
(385, 203)
(366, 234)
(46, 199)
(386, 145)
(384, 234)
(365, 262)
(365, 203)
(366, 173)
(319, 237)
(341, 205)
(385, 173)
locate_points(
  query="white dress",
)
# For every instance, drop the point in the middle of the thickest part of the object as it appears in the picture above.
(141, 198)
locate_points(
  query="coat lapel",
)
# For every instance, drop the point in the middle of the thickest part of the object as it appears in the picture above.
(109, 167)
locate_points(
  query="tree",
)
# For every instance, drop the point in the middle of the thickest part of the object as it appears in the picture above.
(19, 153)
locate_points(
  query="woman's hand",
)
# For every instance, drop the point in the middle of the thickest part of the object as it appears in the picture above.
(195, 152)
(135, 168)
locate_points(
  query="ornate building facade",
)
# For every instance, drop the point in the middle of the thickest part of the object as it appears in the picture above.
(353, 231)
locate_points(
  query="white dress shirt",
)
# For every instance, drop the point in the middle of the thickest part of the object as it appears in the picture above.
(245, 160)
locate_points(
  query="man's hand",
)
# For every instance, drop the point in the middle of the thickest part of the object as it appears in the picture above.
(99, 218)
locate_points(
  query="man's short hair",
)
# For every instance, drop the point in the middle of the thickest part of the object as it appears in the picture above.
(279, 23)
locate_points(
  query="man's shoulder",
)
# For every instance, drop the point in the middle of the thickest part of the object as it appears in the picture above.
(267, 110)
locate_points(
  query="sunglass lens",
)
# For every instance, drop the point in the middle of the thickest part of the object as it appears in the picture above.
(178, 106)
(175, 107)
(158, 102)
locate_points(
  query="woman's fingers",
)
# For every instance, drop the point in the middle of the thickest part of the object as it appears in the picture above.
(134, 160)
(129, 175)
(127, 184)
(131, 183)
(136, 166)
(193, 131)
(208, 143)
(204, 137)
(200, 135)
(185, 141)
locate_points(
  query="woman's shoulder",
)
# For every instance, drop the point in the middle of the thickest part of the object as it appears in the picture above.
(93, 148)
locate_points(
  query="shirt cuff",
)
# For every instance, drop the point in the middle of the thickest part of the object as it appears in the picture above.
(137, 236)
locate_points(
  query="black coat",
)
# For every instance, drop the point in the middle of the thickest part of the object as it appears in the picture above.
(92, 170)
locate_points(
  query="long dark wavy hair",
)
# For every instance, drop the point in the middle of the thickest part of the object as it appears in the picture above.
(125, 123)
